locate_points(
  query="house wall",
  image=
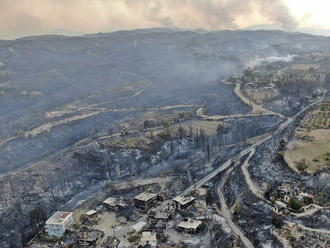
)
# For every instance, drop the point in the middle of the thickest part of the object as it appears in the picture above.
(55, 230)
(58, 230)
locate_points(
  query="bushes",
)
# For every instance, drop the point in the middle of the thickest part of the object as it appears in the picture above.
(307, 200)
(295, 204)
(237, 210)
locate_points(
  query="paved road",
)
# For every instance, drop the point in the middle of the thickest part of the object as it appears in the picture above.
(225, 211)
(228, 163)
(257, 109)
(319, 230)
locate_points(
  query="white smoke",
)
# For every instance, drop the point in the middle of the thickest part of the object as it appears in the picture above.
(23, 17)
(271, 59)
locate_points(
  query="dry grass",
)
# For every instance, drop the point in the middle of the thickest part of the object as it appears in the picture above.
(310, 150)
(311, 153)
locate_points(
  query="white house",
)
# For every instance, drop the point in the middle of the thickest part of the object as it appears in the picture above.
(59, 223)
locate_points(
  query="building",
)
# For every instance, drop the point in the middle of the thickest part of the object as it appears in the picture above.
(190, 226)
(155, 217)
(145, 200)
(149, 238)
(59, 223)
(91, 214)
(285, 192)
(183, 202)
(114, 204)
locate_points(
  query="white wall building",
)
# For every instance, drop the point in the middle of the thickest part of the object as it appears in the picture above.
(59, 223)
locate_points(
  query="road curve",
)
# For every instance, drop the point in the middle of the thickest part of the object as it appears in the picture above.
(228, 163)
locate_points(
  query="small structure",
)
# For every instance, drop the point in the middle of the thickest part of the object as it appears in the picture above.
(145, 200)
(162, 216)
(91, 214)
(59, 223)
(182, 202)
(284, 193)
(149, 238)
(157, 216)
(114, 204)
(190, 226)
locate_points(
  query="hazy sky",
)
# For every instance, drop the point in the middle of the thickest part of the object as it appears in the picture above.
(30, 17)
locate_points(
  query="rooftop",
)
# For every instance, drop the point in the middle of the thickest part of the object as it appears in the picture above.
(145, 196)
(58, 218)
(183, 200)
(90, 212)
(190, 224)
(111, 201)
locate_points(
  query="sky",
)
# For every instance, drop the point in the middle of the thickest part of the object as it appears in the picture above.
(20, 18)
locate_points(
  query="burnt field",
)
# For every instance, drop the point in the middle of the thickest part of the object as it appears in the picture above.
(76, 112)
(47, 79)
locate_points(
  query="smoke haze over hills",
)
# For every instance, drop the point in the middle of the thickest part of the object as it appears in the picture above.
(28, 17)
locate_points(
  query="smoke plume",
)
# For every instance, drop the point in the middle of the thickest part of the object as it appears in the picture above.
(24, 17)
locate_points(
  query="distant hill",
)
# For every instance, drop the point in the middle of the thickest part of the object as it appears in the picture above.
(40, 74)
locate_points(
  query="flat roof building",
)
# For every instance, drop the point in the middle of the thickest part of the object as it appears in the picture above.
(114, 203)
(59, 223)
(145, 200)
(190, 225)
(183, 202)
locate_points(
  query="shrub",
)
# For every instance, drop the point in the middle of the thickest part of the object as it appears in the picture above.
(237, 210)
(308, 200)
(295, 204)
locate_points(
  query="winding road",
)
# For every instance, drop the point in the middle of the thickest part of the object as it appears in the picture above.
(231, 164)
(257, 109)
(228, 163)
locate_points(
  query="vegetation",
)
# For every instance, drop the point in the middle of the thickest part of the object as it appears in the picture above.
(37, 217)
(307, 200)
(295, 204)
(319, 118)
(237, 210)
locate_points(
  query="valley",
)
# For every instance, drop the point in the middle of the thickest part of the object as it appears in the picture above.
(147, 111)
